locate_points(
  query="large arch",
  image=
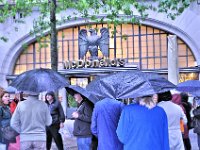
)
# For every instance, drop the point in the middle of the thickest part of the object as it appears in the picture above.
(16, 49)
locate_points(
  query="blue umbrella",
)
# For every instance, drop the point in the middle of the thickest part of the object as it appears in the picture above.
(129, 84)
(39, 80)
(191, 86)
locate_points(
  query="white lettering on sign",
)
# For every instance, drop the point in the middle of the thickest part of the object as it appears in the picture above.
(94, 63)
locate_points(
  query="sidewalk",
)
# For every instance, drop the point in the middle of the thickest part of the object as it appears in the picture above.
(193, 140)
(69, 140)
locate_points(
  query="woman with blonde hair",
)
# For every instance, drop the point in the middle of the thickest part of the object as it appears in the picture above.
(143, 126)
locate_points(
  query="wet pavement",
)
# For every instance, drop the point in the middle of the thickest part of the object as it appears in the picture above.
(193, 140)
(69, 140)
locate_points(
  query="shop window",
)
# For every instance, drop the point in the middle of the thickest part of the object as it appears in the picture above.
(188, 76)
(82, 82)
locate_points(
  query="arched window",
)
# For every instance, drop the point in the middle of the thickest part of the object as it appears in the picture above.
(143, 45)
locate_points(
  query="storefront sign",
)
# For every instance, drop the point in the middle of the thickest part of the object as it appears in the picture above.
(94, 63)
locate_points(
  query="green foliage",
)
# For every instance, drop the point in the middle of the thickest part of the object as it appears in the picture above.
(71, 101)
(113, 12)
(89, 9)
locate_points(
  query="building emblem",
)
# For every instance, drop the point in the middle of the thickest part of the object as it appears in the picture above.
(91, 43)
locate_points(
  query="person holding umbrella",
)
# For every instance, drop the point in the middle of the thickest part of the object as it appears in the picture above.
(30, 119)
(32, 115)
(82, 122)
(58, 119)
(83, 115)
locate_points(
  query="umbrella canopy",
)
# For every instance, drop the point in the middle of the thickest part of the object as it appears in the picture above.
(39, 80)
(129, 84)
(72, 89)
(11, 89)
(191, 86)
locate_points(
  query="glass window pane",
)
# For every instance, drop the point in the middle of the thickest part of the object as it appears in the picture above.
(182, 61)
(151, 45)
(164, 63)
(23, 59)
(191, 61)
(182, 50)
(150, 63)
(143, 29)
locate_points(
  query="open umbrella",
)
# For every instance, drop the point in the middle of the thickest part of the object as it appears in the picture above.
(191, 86)
(129, 84)
(39, 80)
(72, 89)
(11, 89)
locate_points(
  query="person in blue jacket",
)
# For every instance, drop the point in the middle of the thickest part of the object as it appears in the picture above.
(105, 117)
(143, 126)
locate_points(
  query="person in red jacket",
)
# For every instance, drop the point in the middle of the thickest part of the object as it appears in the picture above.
(16, 100)
(13, 104)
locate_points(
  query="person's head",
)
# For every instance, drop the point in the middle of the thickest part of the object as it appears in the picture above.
(184, 97)
(147, 101)
(176, 98)
(50, 96)
(18, 96)
(78, 98)
(165, 96)
(155, 98)
(4, 98)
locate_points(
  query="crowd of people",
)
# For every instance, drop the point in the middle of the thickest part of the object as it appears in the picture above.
(36, 121)
(152, 122)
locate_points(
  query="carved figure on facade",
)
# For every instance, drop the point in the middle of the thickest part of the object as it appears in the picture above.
(91, 43)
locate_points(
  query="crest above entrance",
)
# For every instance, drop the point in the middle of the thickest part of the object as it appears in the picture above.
(91, 43)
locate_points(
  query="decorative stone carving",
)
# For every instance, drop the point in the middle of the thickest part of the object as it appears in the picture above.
(91, 43)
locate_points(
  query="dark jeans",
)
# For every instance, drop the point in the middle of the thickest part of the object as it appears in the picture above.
(187, 143)
(94, 143)
(53, 132)
(198, 140)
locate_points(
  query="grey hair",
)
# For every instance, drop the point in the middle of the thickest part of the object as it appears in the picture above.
(147, 102)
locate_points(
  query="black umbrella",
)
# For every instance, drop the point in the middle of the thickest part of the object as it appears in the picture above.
(39, 80)
(129, 84)
(72, 89)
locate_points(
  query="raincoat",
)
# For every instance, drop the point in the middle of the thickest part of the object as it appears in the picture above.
(105, 119)
(141, 128)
